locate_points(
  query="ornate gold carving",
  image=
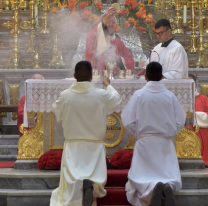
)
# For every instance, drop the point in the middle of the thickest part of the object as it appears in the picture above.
(52, 133)
(111, 120)
(109, 136)
(14, 98)
(188, 144)
(30, 145)
(189, 114)
(111, 128)
(21, 128)
(7, 24)
(129, 144)
(25, 25)
(204, 90)
(31, 114)
(2, 114)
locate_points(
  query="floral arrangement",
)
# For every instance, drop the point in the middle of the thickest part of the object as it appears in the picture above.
(140, 16)
(80, 14)
(122, 159)
(50, 160)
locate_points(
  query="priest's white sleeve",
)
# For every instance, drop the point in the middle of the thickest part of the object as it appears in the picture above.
(112, 99)
(180, 115)
(202, 119)
(128, 116)
(178, 65)
(58, 107)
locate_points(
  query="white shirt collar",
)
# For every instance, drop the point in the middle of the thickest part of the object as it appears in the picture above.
(155, 86)
(81, 87)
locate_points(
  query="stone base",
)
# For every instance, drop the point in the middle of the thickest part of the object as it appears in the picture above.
(189, 164)
(25, 164)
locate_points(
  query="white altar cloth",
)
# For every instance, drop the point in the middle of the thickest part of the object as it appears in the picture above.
(40, 94)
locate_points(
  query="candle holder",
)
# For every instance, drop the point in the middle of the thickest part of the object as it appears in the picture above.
(193, 37)
(178, 19)
(185, 27)
(202, 53)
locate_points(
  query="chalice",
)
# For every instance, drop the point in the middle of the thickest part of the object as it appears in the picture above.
(110, 66)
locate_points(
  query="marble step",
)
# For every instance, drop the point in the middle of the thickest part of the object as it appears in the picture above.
(8, 158)
(9, 197)
(9, 139)
(44, 179)
(8, 149)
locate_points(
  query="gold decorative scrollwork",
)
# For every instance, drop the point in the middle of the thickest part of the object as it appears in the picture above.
(188, 144)
(31, 114)
(7, 24)
(14, 98)
(189, 114)
(120, 128)
(30, 144)
(129, 144)
(111, 120)
(204, 90)
(109, 136)
(25, 24)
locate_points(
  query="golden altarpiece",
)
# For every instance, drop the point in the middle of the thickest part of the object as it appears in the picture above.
(33, 41)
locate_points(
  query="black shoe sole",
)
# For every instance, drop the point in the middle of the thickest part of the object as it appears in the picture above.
(169, 201)
(157, 194)
(87, 193)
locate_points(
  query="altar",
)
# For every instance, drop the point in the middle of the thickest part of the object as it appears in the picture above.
(48, 134)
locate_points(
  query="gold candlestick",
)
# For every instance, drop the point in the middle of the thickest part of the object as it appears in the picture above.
(45, 29)
(57, 59)
(14, 61)
(32, 27)
(17, 23)
(193, 37)
(36, 60)
(166, 8)
(202, 53)
(178, 19)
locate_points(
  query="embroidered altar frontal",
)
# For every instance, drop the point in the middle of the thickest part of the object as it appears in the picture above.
(40, 94)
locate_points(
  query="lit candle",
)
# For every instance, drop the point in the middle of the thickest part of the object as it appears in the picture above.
(36, 14)
(184, 14)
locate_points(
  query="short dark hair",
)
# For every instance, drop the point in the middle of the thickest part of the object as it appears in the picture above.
(83, 71)
(192, 77)
(162, 22)
(154, 71)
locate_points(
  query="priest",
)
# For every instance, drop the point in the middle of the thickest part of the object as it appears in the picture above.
(22, 113)
(82, 109)
(154, 116)
(169, 53)
(201, 108)
(103, 45)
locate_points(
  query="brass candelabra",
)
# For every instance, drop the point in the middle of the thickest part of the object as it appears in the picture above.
(193, 37)
(15, 61)
(202, 54)
(178, 20)
(45, 29)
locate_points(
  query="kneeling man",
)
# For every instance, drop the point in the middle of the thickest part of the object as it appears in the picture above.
(154, 116)
(83, 109)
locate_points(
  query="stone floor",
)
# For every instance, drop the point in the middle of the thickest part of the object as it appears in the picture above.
(33, 187)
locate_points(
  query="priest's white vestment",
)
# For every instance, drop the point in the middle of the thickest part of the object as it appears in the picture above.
(173, 59)
(154, 116)
(83, 110)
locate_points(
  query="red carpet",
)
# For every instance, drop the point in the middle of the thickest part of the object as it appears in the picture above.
(115, 187)
(7, 164)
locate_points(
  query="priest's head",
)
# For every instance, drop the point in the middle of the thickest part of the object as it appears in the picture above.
(83, 71)
(37, 76)
(154, 72)
(191, 76)
(111, 24)
(163, 30)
